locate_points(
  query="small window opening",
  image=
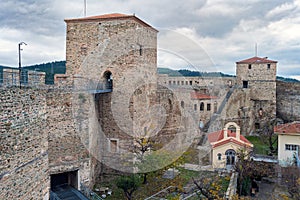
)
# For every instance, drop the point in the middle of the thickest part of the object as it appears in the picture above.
(108, 80)
(195, 107)
(182, 104)
(219, 156)
(249, 66)
(269, 65)
(191, 82)
(257, 125)
(170, 82)
(215, 107)
(208, 107)
(291, 147)
(245, 84)
(141, 49)
(201, 106)
(113, 145)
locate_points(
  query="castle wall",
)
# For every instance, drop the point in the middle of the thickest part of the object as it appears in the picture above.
(288, 101)
(68, 148)
(24, 172)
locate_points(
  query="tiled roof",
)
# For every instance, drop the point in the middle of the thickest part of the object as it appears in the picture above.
(199, 96)
(256, 60)
(217, 137)
(105, 16)
(112, 16)
(288, 129)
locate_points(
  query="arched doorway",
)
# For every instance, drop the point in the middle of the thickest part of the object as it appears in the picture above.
(230, 158)
(108, 80)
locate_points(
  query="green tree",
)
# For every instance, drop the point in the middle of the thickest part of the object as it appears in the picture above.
(129, 184)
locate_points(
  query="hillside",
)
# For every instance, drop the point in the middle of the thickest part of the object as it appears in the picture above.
(59, 67)
(51, 68)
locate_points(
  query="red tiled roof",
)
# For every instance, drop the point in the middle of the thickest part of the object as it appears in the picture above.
(196, 95)
(111, 16)
(288, 129)
(218, 136)
(256, 60)
(105, 16)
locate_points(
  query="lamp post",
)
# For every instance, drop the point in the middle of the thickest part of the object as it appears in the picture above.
(20, 67)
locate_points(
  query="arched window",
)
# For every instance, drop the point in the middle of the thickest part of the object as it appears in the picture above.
(108, 80)
(219, 156)
(201, 106)
(232, 128)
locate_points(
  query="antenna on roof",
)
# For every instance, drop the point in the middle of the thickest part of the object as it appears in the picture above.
(255, 49)
(84, 10)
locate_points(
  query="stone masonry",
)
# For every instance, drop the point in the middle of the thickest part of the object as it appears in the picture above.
(65, 128)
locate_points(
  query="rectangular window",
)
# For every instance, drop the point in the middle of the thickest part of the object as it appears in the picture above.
(245, 84)
(249, 66)
(269, 66)
(182, 82)
(191, 82)
(195, 107)
(186, 82)
(208, 107)
(257, 125)
(113, 145)
(174, 82)
(291, 147)
(170, 82)
(178, 82)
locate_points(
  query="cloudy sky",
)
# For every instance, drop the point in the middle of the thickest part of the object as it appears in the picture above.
(206, 35)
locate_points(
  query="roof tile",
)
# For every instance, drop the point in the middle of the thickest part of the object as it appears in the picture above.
(256, 60)
(218, 136)
(199, 96)
(289, 128)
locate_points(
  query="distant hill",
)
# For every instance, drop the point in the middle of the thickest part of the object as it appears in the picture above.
(185, 72)
(291, 80)
(51, 68)
(59, 67)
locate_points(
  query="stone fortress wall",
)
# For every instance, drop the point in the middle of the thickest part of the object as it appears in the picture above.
(65, 130)
(24, 163)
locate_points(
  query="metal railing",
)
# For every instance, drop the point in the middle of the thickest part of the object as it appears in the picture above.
(89, 193)
(53, 196)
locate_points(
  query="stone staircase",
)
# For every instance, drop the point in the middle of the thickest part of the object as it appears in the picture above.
(215, 122)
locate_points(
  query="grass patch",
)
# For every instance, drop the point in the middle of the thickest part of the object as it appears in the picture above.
(156, 183)
(260, 144)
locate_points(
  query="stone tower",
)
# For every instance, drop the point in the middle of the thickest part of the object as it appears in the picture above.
(257, 77)
(121, 51)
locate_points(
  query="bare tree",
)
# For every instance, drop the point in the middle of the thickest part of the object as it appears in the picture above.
(140, 148)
